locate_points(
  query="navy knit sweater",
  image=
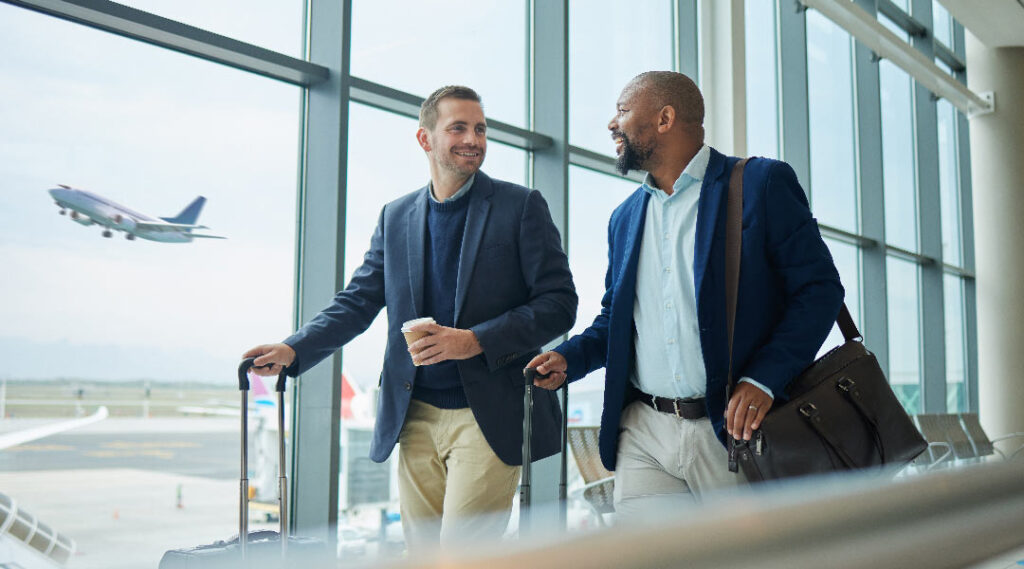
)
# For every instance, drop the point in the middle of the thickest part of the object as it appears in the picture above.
(440, 384)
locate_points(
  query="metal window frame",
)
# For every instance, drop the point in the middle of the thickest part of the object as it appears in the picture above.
(164, 32)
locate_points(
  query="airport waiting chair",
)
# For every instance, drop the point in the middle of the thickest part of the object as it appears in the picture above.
(983, 446)
(940, 449)
(598, 483)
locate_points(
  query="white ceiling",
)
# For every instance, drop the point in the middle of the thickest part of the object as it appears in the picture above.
(997, 23)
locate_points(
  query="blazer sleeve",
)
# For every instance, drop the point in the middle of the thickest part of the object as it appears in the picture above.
(551, 306)
(588, 350)
(349, 314)
(809, 278)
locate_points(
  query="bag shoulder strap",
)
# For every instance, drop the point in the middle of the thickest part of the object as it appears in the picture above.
(733, 247)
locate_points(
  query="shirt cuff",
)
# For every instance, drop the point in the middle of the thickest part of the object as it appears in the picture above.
(757, 385)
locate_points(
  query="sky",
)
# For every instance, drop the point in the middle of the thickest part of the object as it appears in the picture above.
(151, 129)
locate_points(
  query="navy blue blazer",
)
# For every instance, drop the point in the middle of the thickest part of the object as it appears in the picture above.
(789, 292)
(514, 292)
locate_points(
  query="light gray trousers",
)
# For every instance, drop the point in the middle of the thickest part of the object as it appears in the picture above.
(665, 462)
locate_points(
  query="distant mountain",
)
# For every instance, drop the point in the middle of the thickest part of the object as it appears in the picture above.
(26, 359)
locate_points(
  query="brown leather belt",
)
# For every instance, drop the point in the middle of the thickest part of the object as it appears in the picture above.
(690, 408)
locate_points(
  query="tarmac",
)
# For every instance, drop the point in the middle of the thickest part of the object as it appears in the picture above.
(127, 490)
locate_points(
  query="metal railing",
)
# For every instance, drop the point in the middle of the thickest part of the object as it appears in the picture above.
(949, 519)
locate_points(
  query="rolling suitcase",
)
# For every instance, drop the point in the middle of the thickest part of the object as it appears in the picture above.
(257, 549)
(529, 375)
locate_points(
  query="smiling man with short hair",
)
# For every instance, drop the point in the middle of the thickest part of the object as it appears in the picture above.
(483, 258)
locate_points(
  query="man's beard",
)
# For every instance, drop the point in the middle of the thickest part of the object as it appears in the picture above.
(452, 165)
(633, 157)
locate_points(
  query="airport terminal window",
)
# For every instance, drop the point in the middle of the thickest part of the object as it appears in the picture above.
(478, 43)
(949, 187)
(942, 24)
(847, 260)
(904, 332)
(592, 198)
(272, 24)
(610, 43)
(833, 187)
(762, 80)
(956, 359)
(142, 327)
(898, 163)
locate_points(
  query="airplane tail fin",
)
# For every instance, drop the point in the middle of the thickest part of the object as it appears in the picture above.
(190, 214)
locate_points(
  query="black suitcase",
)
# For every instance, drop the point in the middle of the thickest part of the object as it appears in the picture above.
(257, 549)
(529, 374)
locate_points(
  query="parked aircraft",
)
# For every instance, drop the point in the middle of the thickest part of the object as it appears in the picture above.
(88, 208)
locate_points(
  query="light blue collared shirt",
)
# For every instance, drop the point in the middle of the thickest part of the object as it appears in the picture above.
(669, 357)
(463, 190)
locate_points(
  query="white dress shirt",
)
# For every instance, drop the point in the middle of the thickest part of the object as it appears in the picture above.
(669, 357)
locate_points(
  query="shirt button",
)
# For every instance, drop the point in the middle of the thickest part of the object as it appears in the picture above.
(668, 270)
(408, 386)
(668, 305)
(671, 341)
(678, 378)
(666, 236)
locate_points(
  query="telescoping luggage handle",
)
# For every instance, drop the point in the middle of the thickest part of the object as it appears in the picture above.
(282, 479)
(529, 375)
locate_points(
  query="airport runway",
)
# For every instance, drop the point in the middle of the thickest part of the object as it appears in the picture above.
(212, 455)
(114, 486)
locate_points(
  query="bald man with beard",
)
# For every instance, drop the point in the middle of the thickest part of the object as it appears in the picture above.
(661, 333)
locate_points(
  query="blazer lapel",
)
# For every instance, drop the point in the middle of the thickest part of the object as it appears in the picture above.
(627, 274)
(476, 220)
(712, 195)
(417, 241)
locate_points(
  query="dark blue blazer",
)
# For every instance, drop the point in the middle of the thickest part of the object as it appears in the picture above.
(514, 291)
(789, 292)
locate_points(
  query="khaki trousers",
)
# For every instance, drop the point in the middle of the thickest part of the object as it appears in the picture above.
(451, 485)
(665, 462)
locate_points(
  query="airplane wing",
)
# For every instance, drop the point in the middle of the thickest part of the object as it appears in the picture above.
(166, 226)
(21, 437)
(206, 236)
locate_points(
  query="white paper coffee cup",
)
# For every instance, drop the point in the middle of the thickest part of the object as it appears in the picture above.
(411, 336)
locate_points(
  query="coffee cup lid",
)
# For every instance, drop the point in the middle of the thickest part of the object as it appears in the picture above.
(409, 324)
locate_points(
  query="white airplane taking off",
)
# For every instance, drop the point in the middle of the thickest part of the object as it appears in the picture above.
(88, 208)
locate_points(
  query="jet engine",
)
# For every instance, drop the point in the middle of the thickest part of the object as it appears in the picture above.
(124, 223)
(80, 218)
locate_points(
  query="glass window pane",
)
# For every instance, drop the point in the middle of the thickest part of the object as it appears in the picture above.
(762, 83)
(833, 188)
(464, 45)
(943, 24)
(847, 260)
(273, 24)
(949, 182)
(146, 328)
(898, 163)
(904, 333)
(611, 42)
(956, 368)
(592, 198)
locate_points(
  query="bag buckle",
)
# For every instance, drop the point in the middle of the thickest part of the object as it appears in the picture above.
(846, 384)
(808, 410)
